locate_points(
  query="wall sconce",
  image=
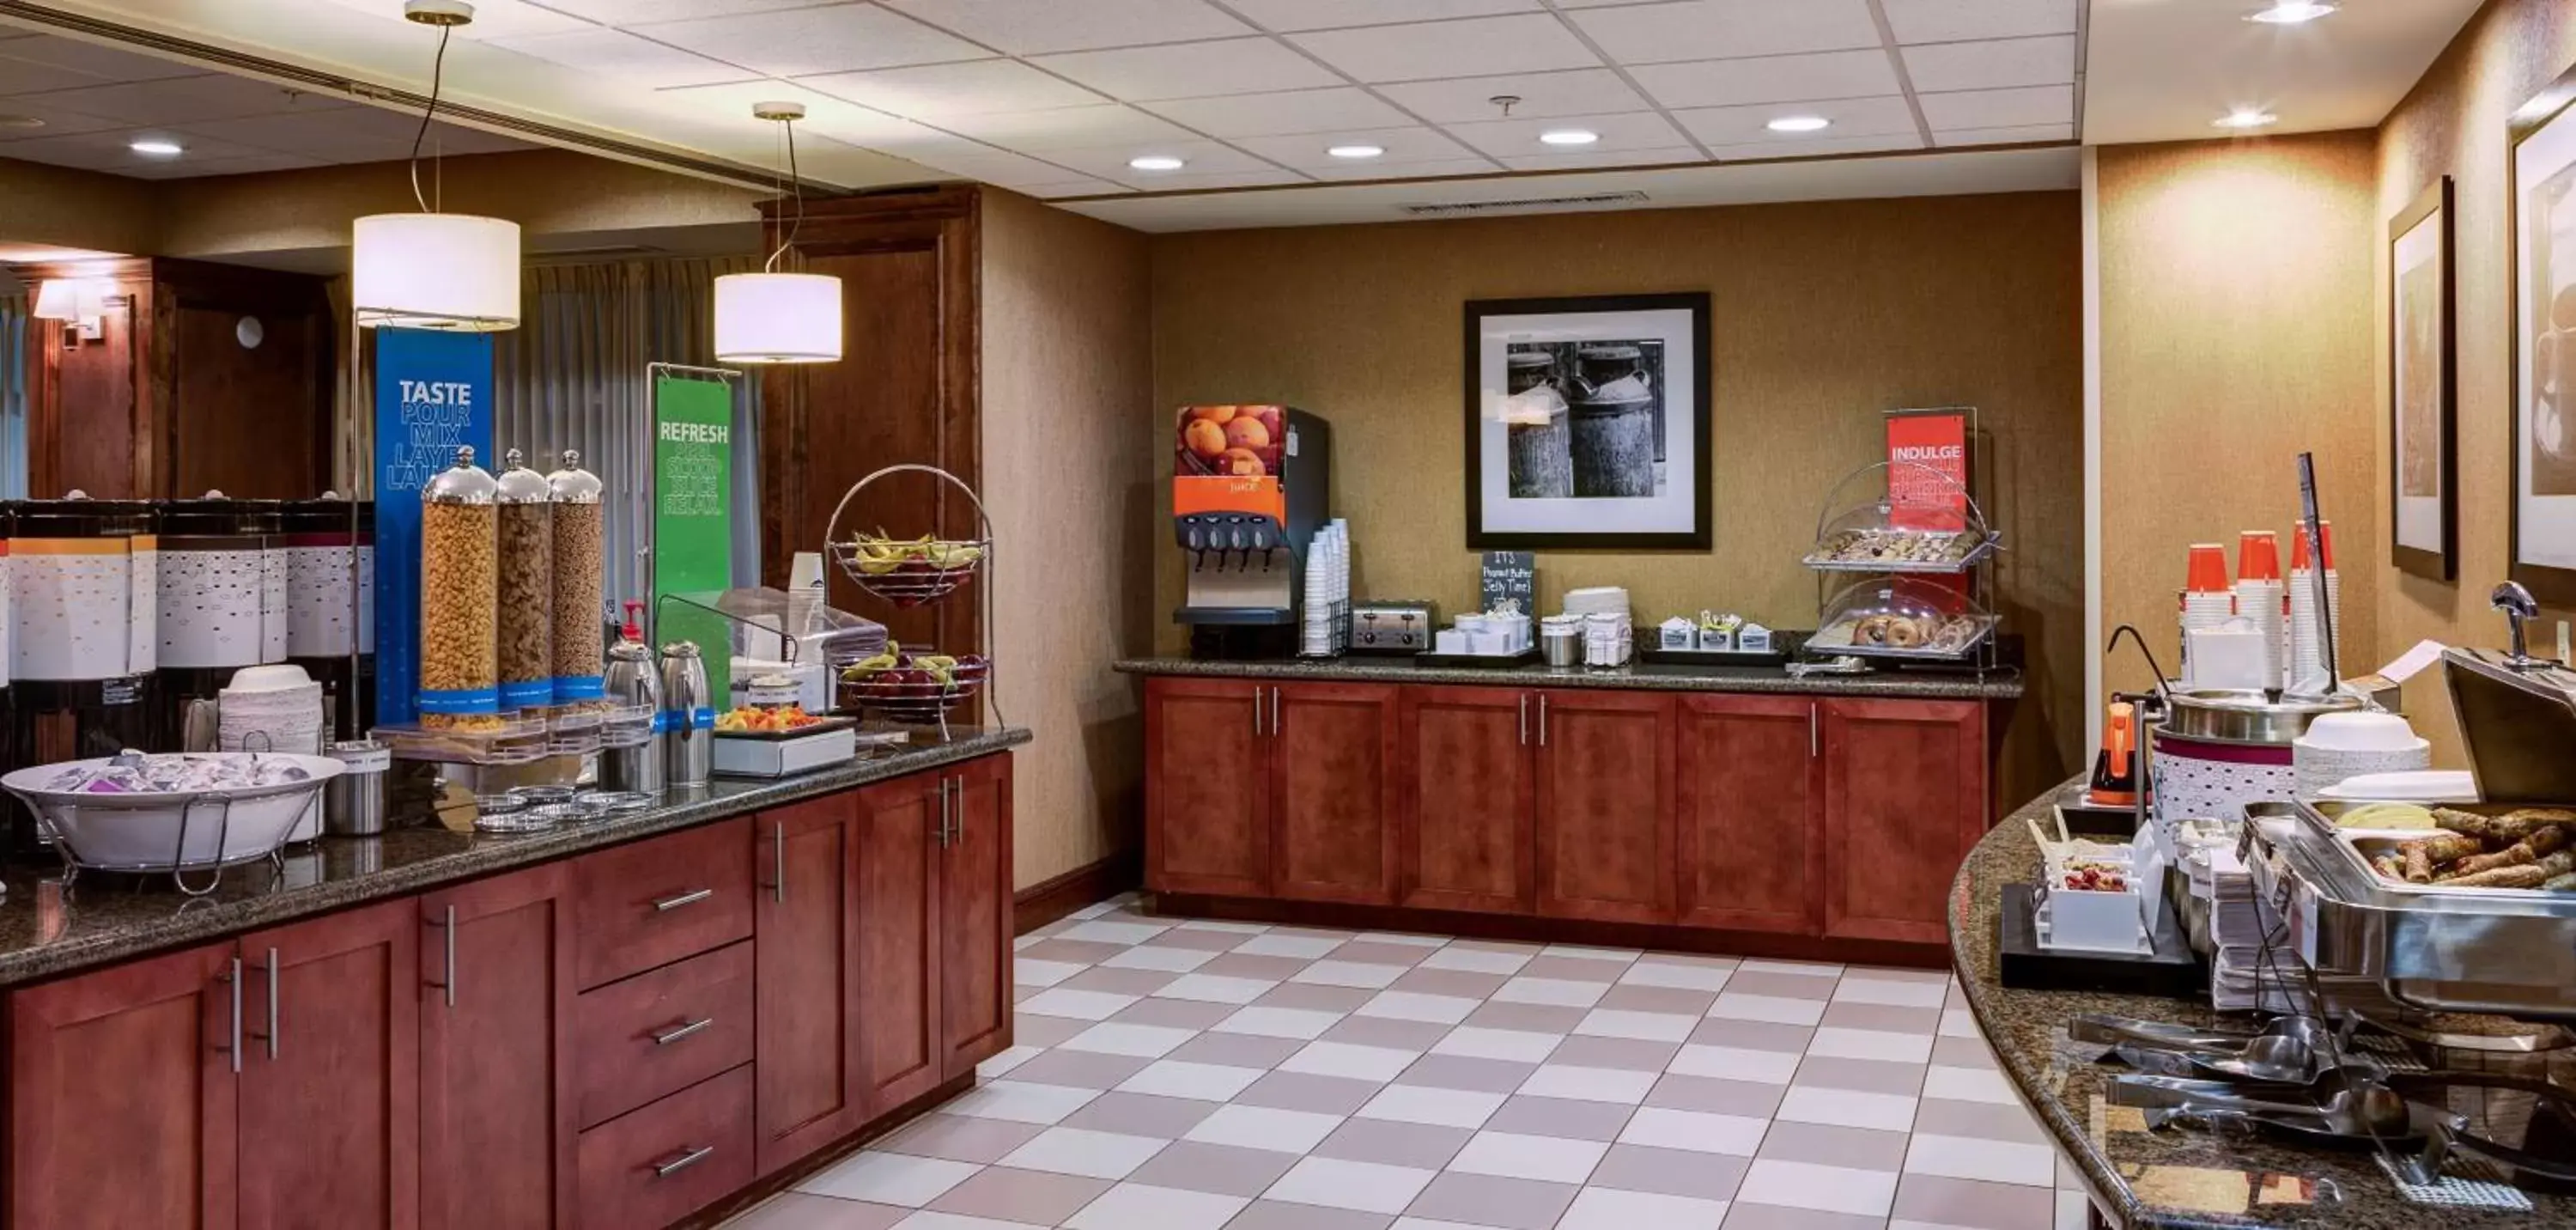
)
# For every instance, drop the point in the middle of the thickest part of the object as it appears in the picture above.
(78, 303)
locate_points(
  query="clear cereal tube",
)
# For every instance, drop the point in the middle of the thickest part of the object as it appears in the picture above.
(459, 599)
(527, 590)
(580, 606)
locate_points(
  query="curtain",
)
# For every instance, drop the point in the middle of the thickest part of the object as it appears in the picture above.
(16, 339)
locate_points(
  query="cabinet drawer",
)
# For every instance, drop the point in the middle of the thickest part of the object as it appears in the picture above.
(657, 1165)
(654, 902)
(635, 1040)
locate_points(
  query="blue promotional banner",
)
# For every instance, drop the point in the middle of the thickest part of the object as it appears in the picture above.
(433, 396)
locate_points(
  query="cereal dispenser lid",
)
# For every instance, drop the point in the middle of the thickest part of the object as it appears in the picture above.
(461, 483)
(572, 484)
(518, 484)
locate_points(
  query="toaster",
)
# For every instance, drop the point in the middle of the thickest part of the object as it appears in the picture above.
(1400, 626)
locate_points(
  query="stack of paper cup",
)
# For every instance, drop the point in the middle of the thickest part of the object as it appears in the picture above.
(2307, 658)
(2207, 602)
(2259, 595)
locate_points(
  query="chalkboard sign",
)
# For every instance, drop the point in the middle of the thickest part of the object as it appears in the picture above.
(1513, 575)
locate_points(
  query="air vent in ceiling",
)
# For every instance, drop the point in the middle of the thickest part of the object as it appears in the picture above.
(1529, 205)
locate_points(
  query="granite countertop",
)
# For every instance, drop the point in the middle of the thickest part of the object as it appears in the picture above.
(2003, 684)
(47, 930)
(2173, 1178)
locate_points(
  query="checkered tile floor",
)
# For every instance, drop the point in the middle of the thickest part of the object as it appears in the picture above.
(1199, 1075)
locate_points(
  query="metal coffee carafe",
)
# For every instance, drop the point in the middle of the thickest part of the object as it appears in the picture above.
(688, 715)
(630, 755)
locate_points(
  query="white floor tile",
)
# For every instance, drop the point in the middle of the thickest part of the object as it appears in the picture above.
(927, 1219)
(1608, 1208)
(1001, 1064)
(1641, 1026)
(1367, 1187)
(1028, 973)
(1968, 1085)
(1995, 1161)
(1214, 989)
(1200, 1082)
(1368, 1063)
(1885, 1112)
(1476, 960)
(1121, 1038)
(1425, 1223)
(1263, 1127)
(1080, 1005)
(1696, 1131)
(1168, 960)
(1736, 1063)
(1585, 952)
(1805, 1185)
(1959, 1023)
(1407, 938)
(1287, 946)
(2073, 1209)
(1859, 990)
(1515, 1156)
(1138, 1206)
(1020, 1101)
(1415, 1006)
(1360, 974)
(1441, 1107)
(1775, 1009)
(1093, 910)
(1519, 1046)
(1558, 992)
(1558, 1080)
(1301, 1023)
(1029, 941)
(1815, 969)
(1102, 932)
(1832, 1042)
(890, 1178)
(1651, 973)
(1222, 925)
(1081, 1151)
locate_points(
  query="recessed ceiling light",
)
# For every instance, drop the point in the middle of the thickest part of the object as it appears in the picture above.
(2245, 117)
(1800, 123)
(153, 147)
(1569, 136)
(1356, 151)
(1156, 162)
(2290, 12)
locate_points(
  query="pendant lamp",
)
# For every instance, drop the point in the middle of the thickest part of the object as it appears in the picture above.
(773, 317)
(432, 270)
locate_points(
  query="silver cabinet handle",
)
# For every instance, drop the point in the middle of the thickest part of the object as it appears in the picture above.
(1542, 719)
(1274, 713)
(694, 1156)
(1815, 733)
(1256, 713)
(1522, 708)
(956, 788)
(778, 862)
(688, 898)
(677, 1032)
(235, 978)
(273, 1029)
(447, 987)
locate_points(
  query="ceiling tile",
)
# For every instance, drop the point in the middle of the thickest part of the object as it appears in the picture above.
(638, 12)
(1292, 111)
(1812, 147)
(931, 91)
(986, 163)
(30, 73)
(1405, 170)
(1029, 27)
(1191, 70)
(1585, 91)
(799, 42)
(98, 61)
(1407, 144)
(2044, 104)
(106, 150)
(2004, 136)
(209, 97)
(341, 134)
(59, 121)
(1852, 117)
(630, 58)
(493, 19)
(1727, 83)
(1519, 138)
(1942, 21)
(1185, 181)
(1604, 158)
(824, 114)
(1066, 128)
(252, 164)
(1723, 29)
(1199, 158)
(1330, 14)
(2048, 60)
(1424, 51)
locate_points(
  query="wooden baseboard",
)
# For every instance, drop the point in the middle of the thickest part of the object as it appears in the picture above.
(1042, 903)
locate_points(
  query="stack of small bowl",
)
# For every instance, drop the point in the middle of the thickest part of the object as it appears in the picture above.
(270, 709)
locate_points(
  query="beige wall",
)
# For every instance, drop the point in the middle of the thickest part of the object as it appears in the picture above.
(1824, 314)
(61, 207)
(2235, 283)
(1067, 368)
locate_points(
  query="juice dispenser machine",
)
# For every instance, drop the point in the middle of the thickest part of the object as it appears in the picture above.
(1250, 486)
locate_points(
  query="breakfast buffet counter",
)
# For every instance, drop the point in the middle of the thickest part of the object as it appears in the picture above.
(2004, 684)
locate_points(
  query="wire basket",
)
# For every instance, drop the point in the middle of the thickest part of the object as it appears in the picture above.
(911, 695)
(911, 573)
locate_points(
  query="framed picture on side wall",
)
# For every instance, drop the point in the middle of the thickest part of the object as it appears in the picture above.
(2423, 473)
(1587, 422)
(2543, 224)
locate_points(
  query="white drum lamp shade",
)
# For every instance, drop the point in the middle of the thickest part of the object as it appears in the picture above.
(778, 318)
(435, 271)
(57, 299)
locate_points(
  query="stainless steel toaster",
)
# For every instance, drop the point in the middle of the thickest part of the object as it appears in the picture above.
(1398, 626)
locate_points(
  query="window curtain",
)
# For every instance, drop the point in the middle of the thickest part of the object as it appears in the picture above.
(16, 339)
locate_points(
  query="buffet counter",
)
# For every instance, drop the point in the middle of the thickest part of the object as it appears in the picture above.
(2176, 1177)
(2004, 684)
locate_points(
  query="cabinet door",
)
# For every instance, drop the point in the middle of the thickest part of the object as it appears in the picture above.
(975, 916)
(121, 1096)
(806, 952)
(1905, 796)
(496, 1126)
(330, 1086)
(1207, 787)
(1605, 805)
(897, 1003)
(1751, 798)
(1465, 796)
(1332, 754)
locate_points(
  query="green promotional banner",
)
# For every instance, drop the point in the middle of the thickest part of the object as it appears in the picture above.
(693, 518)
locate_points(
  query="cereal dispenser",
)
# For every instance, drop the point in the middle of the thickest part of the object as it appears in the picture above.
(580, 558)
(459, 598)
(214, 596)
(330, 545)
(83, 639)
(527, 586)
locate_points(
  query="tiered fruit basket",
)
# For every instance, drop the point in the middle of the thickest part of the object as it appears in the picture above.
(911, 686)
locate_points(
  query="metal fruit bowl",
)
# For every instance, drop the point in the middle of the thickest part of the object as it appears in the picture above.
(909, 574)
(897, 694)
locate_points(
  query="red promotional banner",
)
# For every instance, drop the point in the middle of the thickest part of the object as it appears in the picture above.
(1927, 473)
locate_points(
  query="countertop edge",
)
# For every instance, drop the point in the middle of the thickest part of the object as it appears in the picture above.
(2001, 685)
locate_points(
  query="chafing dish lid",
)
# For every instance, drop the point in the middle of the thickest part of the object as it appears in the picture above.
(2519, 724)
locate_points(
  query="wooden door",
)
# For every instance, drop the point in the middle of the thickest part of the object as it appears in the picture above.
(1750, 807)
(975, 916)
(898, 997)
(1207, 787)
(806, 953)
(121, 1096)
(250, 421)
(496, 1096)
(1605, 805)
(1332, 794)
(1905, 797)
(330, 1086)
(1466, 797)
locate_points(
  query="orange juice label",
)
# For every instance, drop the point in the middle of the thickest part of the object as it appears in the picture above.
(1211, 494)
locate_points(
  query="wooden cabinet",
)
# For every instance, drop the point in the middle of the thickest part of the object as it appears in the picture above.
(806, 947)
(975, 917)
(1905, 798)
(1207, 828)
(1466, 800)
(496, 1098)
(897, 1005)
(653, 902)
(1332, 792)
(657, 1033)
(661, 1163)
(1750, 804)
(1605, 805)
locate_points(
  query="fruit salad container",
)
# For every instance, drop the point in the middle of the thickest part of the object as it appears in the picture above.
(910, 572)
(915, 689)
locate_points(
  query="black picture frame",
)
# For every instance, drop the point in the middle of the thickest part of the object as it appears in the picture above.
(1482, 536)
(2431, 207)
(2553, 584)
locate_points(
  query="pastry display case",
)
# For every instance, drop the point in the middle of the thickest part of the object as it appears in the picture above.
(1902, 618)
(1904, 562)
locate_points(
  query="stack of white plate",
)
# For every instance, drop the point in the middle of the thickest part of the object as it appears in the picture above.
(2338, 746)
(270, 709)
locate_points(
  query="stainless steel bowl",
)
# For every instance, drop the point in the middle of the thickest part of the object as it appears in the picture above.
(2255, 718)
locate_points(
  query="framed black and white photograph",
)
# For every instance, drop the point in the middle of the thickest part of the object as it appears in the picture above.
(2543, 204)
(2421, 388)
(1588, 422)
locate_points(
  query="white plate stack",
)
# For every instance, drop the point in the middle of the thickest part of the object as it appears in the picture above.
(2338, 746)
(270, 709)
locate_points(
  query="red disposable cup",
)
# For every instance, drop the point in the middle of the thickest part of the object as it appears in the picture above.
(2208, 568)
(2299, 546)
(2258, 556)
